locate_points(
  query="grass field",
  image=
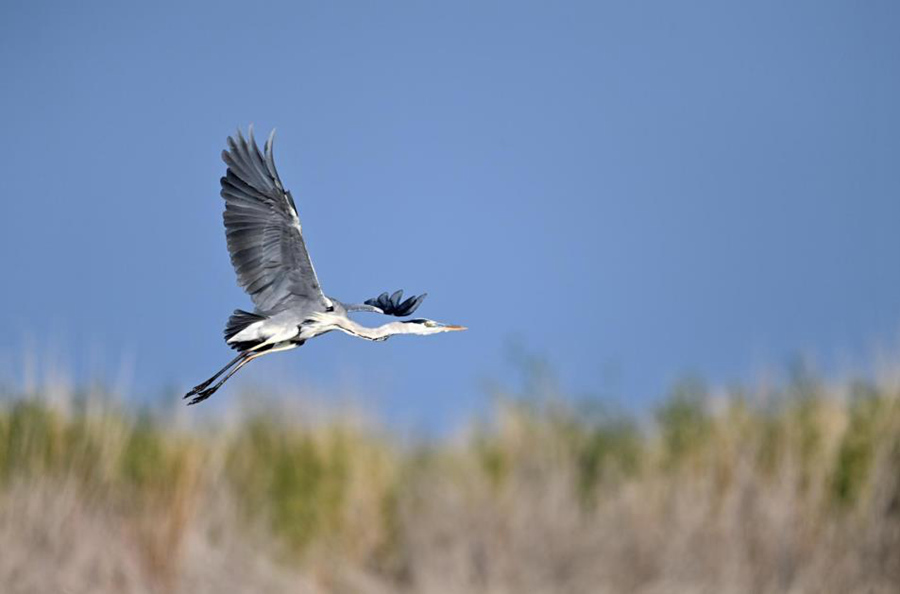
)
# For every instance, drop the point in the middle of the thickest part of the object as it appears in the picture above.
(793, 488)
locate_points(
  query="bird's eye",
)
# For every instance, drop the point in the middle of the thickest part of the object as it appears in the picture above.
(430, 324)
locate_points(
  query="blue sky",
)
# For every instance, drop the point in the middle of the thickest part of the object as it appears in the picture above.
(633, 190)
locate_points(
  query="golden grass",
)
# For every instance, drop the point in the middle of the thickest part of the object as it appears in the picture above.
(788, 490)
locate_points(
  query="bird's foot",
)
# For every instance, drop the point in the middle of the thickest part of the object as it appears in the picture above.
(202, 392)
(199, 395)
(197, 389)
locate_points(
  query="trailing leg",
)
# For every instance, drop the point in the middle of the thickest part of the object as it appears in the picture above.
(202, 386)
(245, 358)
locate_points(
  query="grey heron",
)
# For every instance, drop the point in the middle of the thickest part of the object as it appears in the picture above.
(265, 241)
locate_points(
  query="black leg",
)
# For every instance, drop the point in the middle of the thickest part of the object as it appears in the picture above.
(205, 393)
(200, 387)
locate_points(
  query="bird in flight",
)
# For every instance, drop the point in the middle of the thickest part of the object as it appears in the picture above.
(265, 241)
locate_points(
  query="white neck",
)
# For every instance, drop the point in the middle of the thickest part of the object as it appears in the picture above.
(382, 332)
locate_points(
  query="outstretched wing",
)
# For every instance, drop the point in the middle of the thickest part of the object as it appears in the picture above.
(392, 306)
(263, 230)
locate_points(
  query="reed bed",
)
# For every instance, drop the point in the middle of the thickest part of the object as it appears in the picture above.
(794, 488)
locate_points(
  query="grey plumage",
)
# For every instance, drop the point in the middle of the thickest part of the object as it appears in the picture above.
(269, 255)
(263, 231)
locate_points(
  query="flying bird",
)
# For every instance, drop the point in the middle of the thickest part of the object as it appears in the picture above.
(265, 241)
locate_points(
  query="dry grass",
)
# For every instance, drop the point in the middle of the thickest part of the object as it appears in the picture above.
(788, 490)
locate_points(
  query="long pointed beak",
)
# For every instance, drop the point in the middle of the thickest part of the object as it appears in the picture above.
(453, 327)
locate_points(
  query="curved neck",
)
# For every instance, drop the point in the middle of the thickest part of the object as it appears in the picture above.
(377, 333)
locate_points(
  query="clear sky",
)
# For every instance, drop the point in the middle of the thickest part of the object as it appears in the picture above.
(633, 190)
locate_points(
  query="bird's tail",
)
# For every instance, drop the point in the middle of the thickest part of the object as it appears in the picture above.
(239, 320)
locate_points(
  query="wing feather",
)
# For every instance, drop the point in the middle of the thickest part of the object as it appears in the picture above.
(263, 231)
(392, 306)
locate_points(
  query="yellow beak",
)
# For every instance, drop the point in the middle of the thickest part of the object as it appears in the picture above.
(453, 327)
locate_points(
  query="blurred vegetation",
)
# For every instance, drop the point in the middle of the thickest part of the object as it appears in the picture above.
(804, 469)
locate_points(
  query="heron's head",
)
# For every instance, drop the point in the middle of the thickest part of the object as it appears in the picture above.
(423, 326)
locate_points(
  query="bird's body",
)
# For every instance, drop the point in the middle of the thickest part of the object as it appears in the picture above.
(269, 255)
